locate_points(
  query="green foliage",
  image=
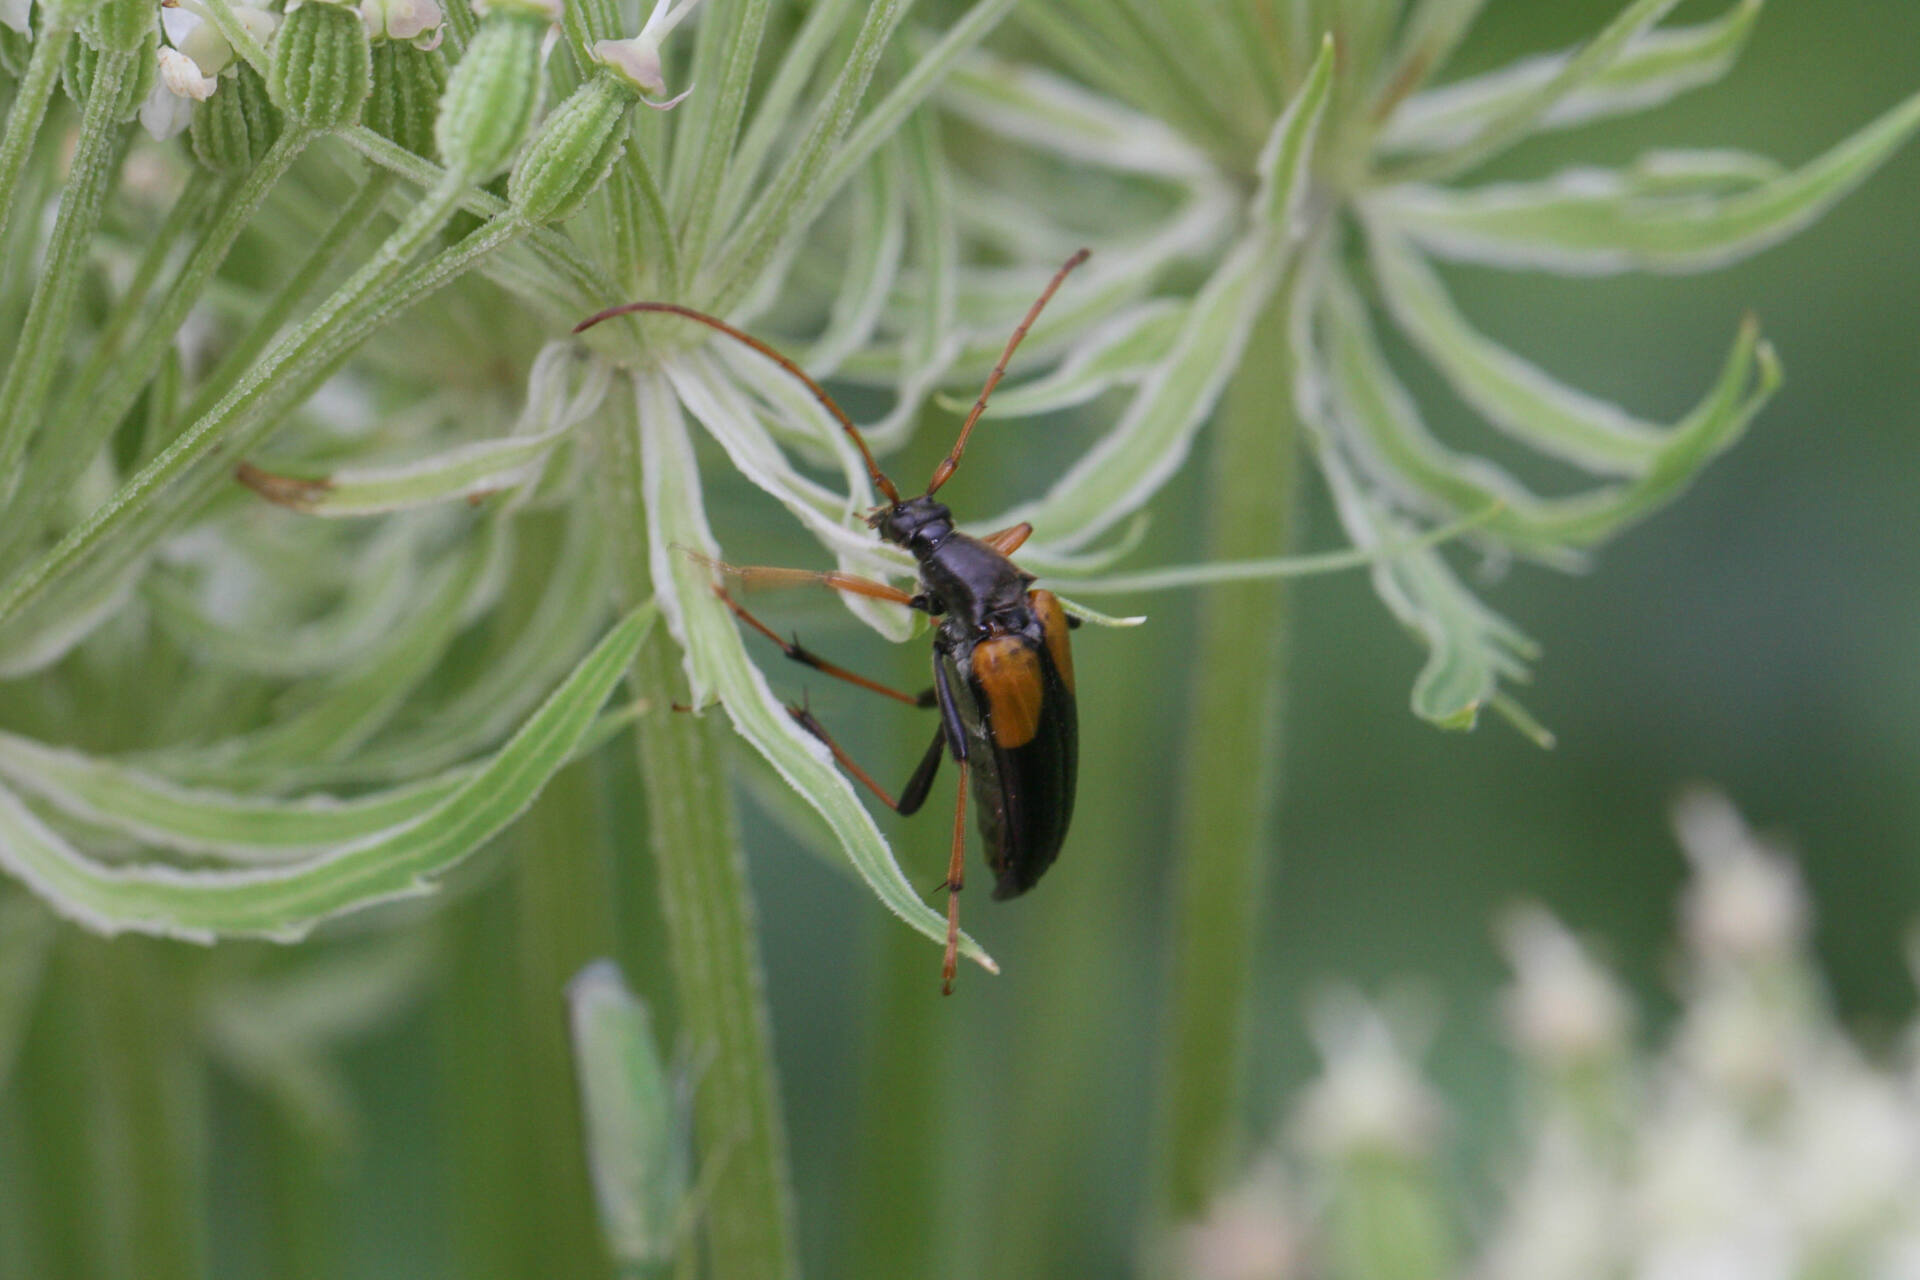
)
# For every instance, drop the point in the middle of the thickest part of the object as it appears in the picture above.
(322, 552)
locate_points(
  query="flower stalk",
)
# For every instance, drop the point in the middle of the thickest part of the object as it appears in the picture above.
(707, 907)
(1231, 773)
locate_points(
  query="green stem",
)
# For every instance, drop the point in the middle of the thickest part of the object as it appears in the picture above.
(563, 896)
(354, 217)
(659, 239)
(83, 200)
(290, 373)
(580, 273)
(1231, 767)
(111, 379)
(148, 1121)
(28, 110)
(708, 910)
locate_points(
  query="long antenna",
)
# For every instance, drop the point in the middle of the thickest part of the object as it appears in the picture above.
(878, 476)
(949, 464)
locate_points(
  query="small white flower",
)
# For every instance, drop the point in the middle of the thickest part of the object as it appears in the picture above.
(1562, 1008)
(1249, 1234)
(548, 9)
(638, 59)
(165, 113)
(1746, 902)
(1370, 1097)
(417, 21)
(181, 76)
(16, 14)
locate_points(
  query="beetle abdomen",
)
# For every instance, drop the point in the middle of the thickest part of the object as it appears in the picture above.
(1025, 745)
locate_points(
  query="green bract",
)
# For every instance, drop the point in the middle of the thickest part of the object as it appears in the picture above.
(126, 76)
(490, 100)
(233, 128)
(407, 84)
(322, 66)
(574, 151)
(121, 26)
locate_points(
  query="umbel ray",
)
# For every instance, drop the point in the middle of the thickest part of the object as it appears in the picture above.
(1002, 660)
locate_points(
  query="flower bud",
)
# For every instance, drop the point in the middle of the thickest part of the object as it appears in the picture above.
(322, 67)
(492, 95)
(573, 152)
(83, 63)
(407, 84)
(232, 130)
(122, 26)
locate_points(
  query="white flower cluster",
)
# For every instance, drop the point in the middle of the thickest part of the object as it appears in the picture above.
(1759, 1142)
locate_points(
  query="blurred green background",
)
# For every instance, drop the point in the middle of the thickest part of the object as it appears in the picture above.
(1762, 635)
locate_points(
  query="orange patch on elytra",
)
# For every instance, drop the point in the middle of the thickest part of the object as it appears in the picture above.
(1059, 643)
(1007, 672)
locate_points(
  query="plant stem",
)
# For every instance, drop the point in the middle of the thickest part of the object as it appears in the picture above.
(111, 380)
(353, 218)
(707, 906)
(289, 374)
(1231, 776)
(28, 110)
(83, 199)
(563, 898)
(145, 1103)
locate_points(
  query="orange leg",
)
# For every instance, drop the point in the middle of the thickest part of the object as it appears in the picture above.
(805, 719)
(1008, 541)
(808, 658)
(956, 875)
(759, 575)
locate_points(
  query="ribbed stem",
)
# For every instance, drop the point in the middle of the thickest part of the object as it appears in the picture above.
(707, 906)
(28, 110)
(1231, 767)
(83, 200)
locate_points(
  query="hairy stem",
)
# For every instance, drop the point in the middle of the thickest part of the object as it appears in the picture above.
(707, 906)
(28, 110)
(111, 380)
(83, 200)
(1231, 776)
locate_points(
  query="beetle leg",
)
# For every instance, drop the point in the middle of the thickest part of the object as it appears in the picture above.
(918, 785)
(808, 658)
(761, 575)
(805, 719)
(956, 874)
(1008, 541)
(921, 782)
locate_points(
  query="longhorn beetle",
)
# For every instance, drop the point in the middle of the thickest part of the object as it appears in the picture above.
(1002, 662)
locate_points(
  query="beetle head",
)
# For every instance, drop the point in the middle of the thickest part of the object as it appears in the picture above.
(918, 524)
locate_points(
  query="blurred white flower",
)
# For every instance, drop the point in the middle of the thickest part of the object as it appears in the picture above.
(1370, 1097)
(418, 21)
(1853, 1144)
(1757, 1143)
(17, 14)
(1562, 1008)
(1746, 902)
(1562, 1220)
(1249, 1234)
